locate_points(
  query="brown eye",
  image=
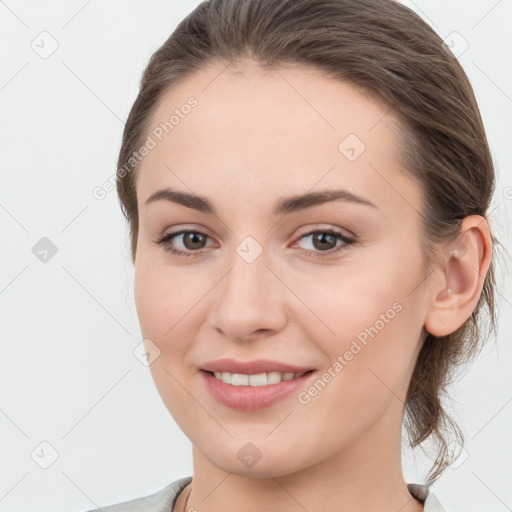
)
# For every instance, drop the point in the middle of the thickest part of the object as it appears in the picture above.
(193, 240)
(324, 240)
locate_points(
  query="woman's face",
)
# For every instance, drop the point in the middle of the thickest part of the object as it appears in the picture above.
(257, 284)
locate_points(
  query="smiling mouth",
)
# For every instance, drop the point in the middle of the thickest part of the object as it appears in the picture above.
(255, 380)
(253, 392)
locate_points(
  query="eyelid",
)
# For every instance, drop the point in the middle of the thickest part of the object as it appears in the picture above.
(175, 231)
(328, 227)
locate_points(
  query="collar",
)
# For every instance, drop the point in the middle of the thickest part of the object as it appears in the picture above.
(419, 491)
(422, 493)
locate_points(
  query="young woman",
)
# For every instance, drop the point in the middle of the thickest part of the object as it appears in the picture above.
(307, 185)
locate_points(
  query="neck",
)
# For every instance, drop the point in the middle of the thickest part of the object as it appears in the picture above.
(366, 477)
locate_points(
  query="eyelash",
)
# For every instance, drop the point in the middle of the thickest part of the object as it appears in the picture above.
(347, 241)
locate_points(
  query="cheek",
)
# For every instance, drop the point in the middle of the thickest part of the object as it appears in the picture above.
(161, 299)
(167, 301)
(368, 368)
(161, 309)
(370, 295)
(148, 295)
(342, 306)
(368, 324)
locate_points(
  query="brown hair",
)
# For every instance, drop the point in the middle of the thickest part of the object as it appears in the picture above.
(388, 51)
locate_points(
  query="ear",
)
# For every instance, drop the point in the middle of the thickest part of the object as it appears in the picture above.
(460, 277)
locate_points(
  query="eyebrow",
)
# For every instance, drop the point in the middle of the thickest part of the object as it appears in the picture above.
(284, 205)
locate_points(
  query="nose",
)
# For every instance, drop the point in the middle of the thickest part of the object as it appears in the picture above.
(250, 300)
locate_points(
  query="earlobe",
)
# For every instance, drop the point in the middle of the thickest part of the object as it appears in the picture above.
(464, 265)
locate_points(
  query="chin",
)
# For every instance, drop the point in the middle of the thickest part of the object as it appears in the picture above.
(259, 470)
(245, 459)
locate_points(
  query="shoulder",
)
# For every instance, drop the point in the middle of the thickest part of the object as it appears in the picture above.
(161, 501)
(426, 496)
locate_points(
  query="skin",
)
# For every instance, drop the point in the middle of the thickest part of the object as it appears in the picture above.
(255, 137)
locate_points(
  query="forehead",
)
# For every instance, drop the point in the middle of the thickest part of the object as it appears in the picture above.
(289, 128)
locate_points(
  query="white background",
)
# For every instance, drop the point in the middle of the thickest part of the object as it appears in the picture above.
(68, 376)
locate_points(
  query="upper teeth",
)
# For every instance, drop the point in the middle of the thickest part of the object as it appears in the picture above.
(258, 379)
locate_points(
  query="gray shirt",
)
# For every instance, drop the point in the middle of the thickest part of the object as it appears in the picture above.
(164, 500)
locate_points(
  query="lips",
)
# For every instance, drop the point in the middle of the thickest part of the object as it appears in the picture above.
(249, 393)
(253, 398)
